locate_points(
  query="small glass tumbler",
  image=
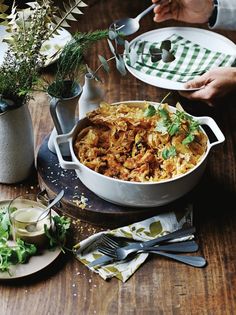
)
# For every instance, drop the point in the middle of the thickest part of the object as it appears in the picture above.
(28, 220)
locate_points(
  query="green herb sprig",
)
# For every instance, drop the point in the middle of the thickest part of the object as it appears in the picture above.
(169, 152)
(28, 30)
(71, 61)
(173, 125)
(57, 235)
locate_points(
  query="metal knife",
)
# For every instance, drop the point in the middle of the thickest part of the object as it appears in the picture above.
(104, 260)
(178, 233)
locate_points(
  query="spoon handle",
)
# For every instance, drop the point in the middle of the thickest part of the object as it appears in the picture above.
(53, 203)
(138, 17)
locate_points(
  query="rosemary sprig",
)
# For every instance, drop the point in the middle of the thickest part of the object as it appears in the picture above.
(71, 60)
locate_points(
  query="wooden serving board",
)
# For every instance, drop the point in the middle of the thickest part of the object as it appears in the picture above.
(97, 211)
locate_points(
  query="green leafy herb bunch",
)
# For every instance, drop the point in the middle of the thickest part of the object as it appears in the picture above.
(28, 29)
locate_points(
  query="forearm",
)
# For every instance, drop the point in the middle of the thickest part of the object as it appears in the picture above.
(226, 15)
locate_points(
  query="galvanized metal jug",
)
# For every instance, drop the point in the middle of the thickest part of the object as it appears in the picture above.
(16, 144)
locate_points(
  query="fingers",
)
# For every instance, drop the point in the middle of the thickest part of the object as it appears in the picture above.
(162, 17)
(202, 95)
(198, 82)
(206, 90)
(160, 5)
(162, 11)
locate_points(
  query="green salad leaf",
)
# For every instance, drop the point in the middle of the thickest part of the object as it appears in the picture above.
(22, 251)
(57, 235)
(5, 225)
(18, 254)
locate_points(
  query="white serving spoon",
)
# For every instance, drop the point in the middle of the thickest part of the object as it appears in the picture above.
(128, 26)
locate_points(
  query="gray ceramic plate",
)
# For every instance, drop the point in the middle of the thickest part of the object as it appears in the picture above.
(35, 264)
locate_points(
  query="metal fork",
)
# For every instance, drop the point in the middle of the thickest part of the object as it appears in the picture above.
(118, 250)
(109, 242)
(112, 248)
(134, 246)
(119, 254)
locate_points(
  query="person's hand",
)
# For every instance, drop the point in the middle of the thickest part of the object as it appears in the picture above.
(190, 11)
(214, 85)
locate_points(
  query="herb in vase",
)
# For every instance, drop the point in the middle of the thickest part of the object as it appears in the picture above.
(28, 29)
(70, 63)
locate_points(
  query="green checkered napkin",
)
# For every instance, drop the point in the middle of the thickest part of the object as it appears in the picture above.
(142, 231)
(190, 61)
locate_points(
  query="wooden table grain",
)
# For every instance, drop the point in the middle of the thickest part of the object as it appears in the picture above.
(160, 286)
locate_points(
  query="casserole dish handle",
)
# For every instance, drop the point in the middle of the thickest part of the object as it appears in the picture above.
(205, 120)
(67, 165)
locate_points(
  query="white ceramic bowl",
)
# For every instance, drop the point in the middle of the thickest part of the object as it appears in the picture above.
(136, 194)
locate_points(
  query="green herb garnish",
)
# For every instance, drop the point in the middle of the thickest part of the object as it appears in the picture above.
(174, 127)
(161, 127)
(57, 235)
(150, 111)
(188, 139)
(168, 152)
(177, 123)
(164, 114)
(5, 224)
(193, 127)
(10, 255)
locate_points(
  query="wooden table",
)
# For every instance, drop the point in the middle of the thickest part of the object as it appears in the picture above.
(160, 286)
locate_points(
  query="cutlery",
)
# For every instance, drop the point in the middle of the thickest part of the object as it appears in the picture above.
(171, 236)
(128, 26)
(121, 253)
(179, 247)
(31, 227)
(136, 246)
(195, 261)
(123, 242)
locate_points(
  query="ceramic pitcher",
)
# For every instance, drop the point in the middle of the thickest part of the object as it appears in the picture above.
(16, 145)
(91, 96)
(62, 111)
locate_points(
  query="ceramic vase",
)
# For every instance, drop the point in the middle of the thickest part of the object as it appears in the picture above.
(62, 111)
(16, 145)
(91, 96)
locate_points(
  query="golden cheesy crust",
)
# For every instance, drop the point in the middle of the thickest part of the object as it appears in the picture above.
(140, 143)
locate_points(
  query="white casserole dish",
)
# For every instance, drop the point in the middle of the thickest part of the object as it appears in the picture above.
(136, 194)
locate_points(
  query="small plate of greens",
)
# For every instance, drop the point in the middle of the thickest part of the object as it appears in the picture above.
(20, 259)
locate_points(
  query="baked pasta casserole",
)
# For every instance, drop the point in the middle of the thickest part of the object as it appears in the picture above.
(143, 143)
